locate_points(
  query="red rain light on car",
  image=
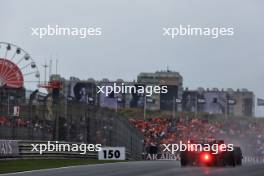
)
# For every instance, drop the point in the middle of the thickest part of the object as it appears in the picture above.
(206, 157)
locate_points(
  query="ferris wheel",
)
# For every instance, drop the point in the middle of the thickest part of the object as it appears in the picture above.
(17, 67)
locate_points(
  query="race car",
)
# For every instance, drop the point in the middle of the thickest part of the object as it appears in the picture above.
(211, 158)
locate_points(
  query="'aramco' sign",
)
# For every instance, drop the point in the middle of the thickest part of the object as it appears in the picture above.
(8, 148)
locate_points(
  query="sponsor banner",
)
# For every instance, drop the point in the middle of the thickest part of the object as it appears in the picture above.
(162, 156)
(8, 148)
(112, 153)
(260, 102)
(215, 102)
(16, 111)
(150, 100)
(178, 100)
(201, 101)
(119, 100)
(231, 102)
(83, 92)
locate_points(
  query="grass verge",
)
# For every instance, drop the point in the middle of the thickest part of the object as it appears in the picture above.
(10, 166)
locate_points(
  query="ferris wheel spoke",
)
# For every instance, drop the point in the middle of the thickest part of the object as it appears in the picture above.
(20, 60)
(6, 72)
(15, 82)
(2, 68)
(11, 77)
(29, 73)
(32, 81)
(24, 67)
(6, 52)
(13, 56)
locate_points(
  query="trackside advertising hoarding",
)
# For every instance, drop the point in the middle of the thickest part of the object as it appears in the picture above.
(8, 148)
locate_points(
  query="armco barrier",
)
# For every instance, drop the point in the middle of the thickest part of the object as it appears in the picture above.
(25, 152)
(253, 160)
(9, 148)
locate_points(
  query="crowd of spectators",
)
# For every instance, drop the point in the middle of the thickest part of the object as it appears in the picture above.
(41, 129)
(244, 132)
(4, 121)
(21, 125)
(247, 133)
(21, 122)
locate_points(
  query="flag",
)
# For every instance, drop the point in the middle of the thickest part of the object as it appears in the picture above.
(260, 102)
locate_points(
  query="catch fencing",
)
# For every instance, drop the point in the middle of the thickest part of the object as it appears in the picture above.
(77, 123)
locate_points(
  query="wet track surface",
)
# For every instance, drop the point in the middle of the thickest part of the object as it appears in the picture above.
(147, 168)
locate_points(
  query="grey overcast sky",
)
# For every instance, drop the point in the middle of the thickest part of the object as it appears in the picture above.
(132, 40)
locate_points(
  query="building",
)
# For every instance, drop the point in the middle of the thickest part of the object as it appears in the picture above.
(212, 101)
(215, 101)
(173, 81)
